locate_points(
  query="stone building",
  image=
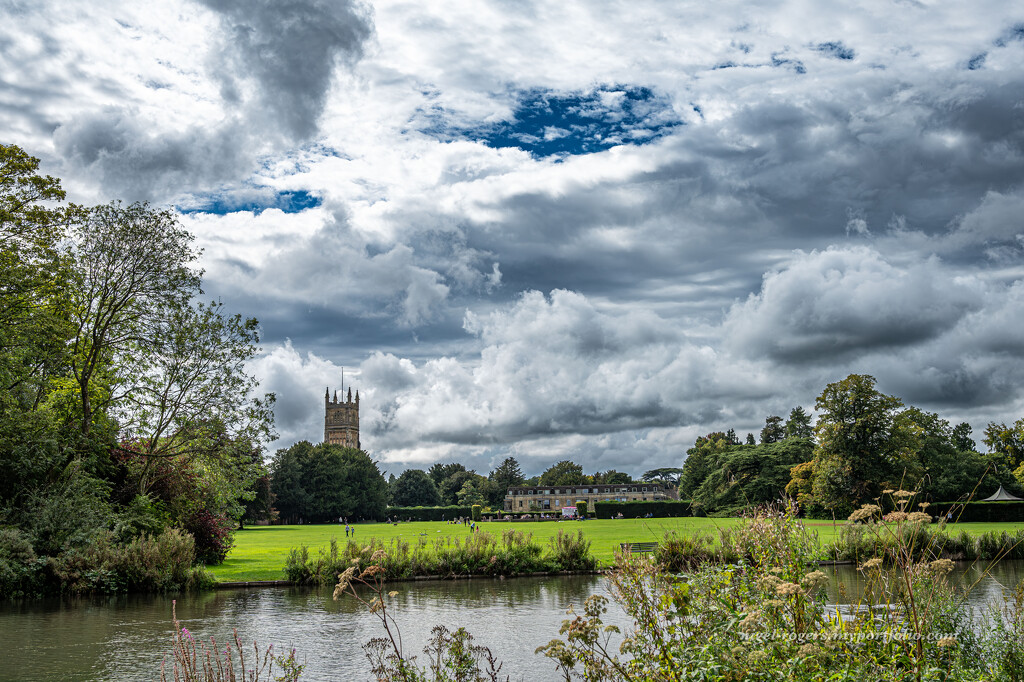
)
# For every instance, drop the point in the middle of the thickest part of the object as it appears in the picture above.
(341, 420)
(527, 499)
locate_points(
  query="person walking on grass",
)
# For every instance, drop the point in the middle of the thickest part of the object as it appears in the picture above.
(346, 530)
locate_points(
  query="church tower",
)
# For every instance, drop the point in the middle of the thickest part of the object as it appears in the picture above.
(341, 420)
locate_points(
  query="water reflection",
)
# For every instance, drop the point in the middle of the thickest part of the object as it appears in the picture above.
(984, 584)
(125, 638)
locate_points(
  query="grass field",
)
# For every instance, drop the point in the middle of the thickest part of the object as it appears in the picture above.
(260, 551)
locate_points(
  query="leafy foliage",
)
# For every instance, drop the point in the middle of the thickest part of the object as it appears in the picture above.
(125, 408)
(325, 482)
(414, 488)
(563, 473)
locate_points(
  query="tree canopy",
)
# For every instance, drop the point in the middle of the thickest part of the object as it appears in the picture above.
(414, 488)
(324, 482)
(563, 473)
(125, 404)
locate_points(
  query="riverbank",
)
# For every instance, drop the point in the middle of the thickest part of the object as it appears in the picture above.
(261, 553)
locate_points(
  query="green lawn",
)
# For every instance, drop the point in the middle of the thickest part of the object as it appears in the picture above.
(260, 552)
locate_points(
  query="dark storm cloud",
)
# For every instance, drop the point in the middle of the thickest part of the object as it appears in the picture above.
(275, 62)
(289, 49)
(136, 162)
(827, 306)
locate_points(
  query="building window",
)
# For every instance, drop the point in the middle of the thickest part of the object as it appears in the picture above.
(645, 489)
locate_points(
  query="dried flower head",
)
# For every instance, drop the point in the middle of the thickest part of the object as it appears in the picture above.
(751, 621)
(815, 579)
(867, 511)
(895, 517)
(787, 589)
(947, 641)
(941, 566)
(871, 563)
(807, 650)
(344, 580)
(919, 517)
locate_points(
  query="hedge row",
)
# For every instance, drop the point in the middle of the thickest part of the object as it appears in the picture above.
(632, 510)
(978, 511)
(428, 513)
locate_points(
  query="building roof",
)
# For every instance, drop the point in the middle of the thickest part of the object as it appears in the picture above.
(1002, 496)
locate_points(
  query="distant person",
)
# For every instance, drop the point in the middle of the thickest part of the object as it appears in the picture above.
(346, 530)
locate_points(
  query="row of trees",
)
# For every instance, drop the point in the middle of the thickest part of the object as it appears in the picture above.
(864, 442)
(125, 407)
(452, 483)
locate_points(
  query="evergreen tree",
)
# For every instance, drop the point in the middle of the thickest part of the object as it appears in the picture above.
(799, 424)
(773, 430)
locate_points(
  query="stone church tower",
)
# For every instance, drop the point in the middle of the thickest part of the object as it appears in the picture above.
(341, 420)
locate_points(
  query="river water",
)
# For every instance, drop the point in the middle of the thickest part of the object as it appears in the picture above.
(126, 637)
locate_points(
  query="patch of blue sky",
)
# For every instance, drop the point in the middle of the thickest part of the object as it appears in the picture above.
(1015, 32)
(547, 123)
(795, 64)
(836, 49)
(222, 204)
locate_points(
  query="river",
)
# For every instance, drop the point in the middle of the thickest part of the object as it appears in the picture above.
(126, 637)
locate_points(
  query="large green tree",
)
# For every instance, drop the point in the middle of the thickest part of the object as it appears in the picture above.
(133, 271)
(864, 445)
(33, 278)
(453, 484)
(700, 461)
(414, 488)
(799, 424)
(439, 472)
(773, 430)
(667, 476)
(951, 470)
(320, 483)
(194, 395)
(507, 474)
(564, 472)
(745, 475)
(1006, 443)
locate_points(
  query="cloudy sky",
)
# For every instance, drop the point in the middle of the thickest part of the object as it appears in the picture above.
(587, 230)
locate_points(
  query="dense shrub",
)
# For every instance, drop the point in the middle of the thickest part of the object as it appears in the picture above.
(146, 564)
(213, 534)
(860, 542)
(19, 566)
(678, 552)
(142, 516)
(767, 618)
(475, 512)
(571, 552)
(632, 510)
(510, 554)
(979, 511)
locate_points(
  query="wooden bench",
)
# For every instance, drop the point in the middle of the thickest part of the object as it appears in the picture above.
(638, 547)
